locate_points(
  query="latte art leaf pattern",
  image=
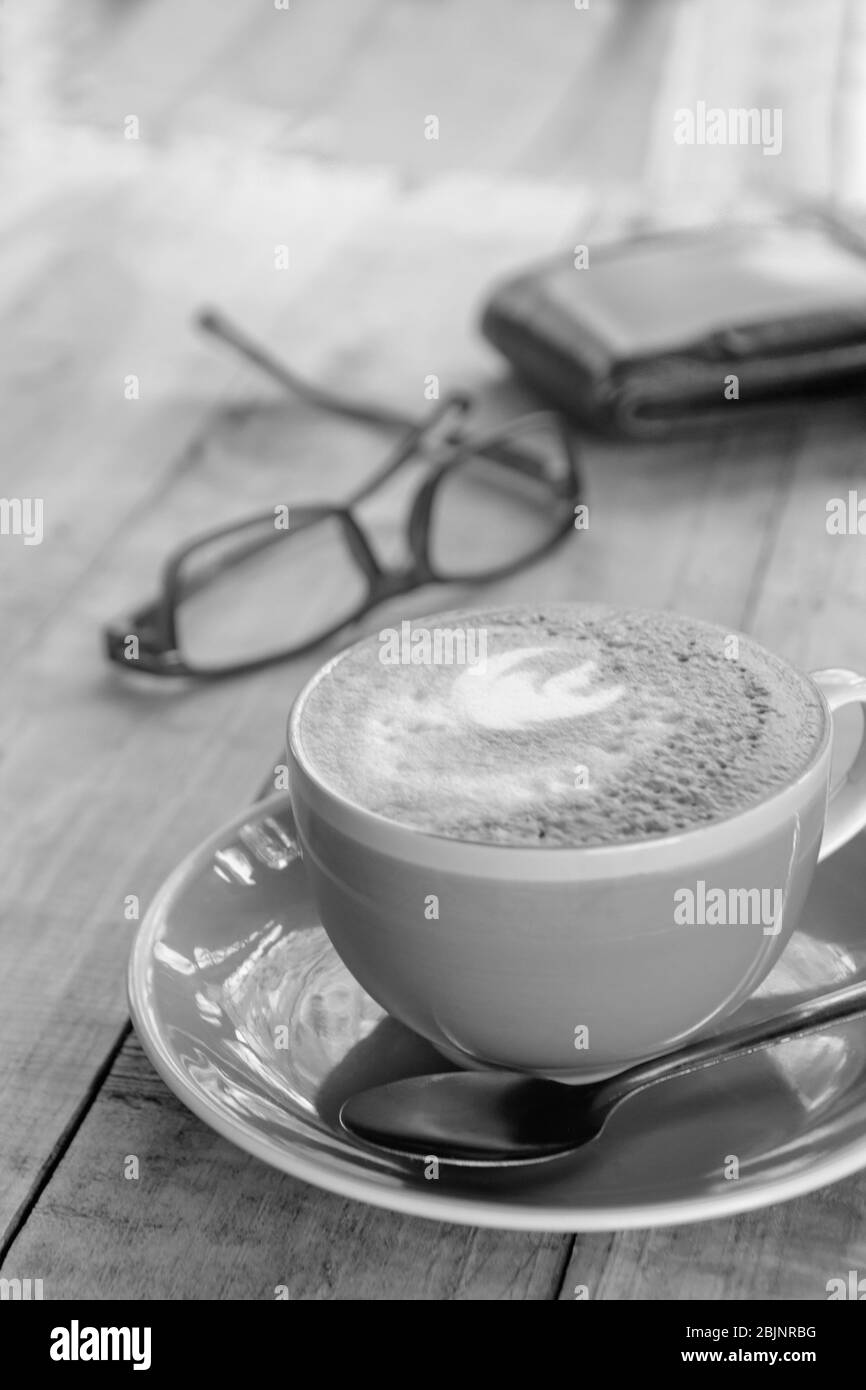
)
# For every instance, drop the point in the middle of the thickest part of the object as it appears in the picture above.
(496, 696)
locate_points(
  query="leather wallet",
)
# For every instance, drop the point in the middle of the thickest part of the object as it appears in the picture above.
(683, 331)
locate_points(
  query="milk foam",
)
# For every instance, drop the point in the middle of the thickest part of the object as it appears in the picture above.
(582, 726)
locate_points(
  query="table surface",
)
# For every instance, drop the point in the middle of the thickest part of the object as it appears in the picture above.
(260, 128)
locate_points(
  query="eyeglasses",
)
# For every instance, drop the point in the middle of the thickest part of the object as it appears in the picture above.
(275, 585)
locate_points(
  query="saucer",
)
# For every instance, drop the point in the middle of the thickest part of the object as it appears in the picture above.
(252, 1020)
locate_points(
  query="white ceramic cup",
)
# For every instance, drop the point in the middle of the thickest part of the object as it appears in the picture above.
(560, 961)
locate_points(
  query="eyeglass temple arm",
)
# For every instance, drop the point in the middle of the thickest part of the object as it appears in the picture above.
(219, 326)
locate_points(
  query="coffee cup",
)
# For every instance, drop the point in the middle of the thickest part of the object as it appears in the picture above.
(574, 960)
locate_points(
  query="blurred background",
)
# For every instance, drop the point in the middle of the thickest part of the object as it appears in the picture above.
(554, 90)
(347, 181)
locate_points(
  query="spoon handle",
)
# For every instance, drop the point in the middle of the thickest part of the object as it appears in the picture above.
(811, 1017)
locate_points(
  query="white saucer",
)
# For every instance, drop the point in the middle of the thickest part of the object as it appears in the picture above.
(252, 1020)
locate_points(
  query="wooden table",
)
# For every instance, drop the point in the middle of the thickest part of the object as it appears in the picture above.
(261, 128)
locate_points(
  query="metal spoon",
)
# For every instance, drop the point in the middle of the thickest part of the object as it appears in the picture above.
(496, 1119)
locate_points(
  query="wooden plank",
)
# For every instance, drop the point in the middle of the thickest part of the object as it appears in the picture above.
(121, 483)
(598, 128)
(205, 1221)
(731, 54)
(790, 1251)
(71, 436)
(810, 606)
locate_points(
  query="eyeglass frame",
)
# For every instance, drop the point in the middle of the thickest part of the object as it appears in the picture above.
(155, 624)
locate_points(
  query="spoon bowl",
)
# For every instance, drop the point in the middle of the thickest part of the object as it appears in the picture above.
(473, 1118)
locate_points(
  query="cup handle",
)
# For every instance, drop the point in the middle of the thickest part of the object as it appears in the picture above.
(846, 808)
